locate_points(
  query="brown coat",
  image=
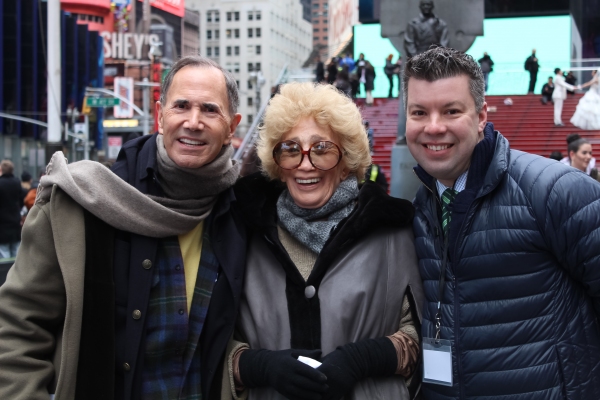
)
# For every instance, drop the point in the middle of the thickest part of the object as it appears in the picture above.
(42, 302)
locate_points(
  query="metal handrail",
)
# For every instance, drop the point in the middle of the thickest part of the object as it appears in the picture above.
(252, 133)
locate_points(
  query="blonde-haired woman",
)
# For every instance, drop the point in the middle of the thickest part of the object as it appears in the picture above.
(331, 272)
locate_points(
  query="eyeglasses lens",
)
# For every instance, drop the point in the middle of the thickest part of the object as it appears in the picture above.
(323, 155)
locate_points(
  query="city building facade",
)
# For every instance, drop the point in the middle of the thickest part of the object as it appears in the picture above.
(255, 41)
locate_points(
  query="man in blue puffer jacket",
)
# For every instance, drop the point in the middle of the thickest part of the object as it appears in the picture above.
(518, 240)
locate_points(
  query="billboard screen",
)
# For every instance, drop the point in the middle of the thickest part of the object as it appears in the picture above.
(508, 41)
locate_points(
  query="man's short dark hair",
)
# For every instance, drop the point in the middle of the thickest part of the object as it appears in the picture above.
(556, 70)
(443, 62)
(25, 176)
(203, 62)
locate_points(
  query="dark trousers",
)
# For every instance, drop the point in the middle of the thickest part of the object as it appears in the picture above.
(532, 80)
(391, 79)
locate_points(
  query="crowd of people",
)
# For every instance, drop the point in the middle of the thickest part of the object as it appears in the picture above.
(170, 277)
(349, 75)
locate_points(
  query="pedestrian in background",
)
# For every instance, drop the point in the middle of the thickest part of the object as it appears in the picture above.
(390, 71)
(11, 202)
(368, 76)
(559, 95)
(547, 91)
(486, 65)
(332, 70)
(532, 65)
(319, 70)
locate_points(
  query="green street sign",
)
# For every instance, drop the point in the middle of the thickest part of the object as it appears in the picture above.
(102, 101)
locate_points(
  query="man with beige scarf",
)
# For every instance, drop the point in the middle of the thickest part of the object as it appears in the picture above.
(127, 282)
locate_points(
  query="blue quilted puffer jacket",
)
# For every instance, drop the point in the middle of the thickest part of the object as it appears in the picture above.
(522, 291)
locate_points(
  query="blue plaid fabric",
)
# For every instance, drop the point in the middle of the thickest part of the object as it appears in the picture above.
(172, 366)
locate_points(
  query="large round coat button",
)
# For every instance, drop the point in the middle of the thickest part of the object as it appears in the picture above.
(126, 367)
(137, 314)
(147, 264)
(310, 291)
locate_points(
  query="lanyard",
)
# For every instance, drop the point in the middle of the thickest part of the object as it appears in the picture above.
(442, 280)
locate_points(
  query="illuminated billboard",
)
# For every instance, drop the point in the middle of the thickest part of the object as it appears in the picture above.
(508, 41)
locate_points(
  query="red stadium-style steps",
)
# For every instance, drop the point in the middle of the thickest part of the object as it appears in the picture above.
(527, 124)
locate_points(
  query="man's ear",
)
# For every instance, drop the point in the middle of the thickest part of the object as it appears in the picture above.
(235, 121)
(482, 119)
(159, 116)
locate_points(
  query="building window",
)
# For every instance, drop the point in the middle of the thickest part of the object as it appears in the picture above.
(216, 51)
(209, 34)
(217, 16)
(209, 51)
(228, 50)
(325, 20)
(217, 33)
(325, 6)
(250, 67)
(250, 15)
(236, 33)
(250, 118)
(324, 13)
(249, 82)
(324, 37)
(315, 6)
(236, 68)
(258, 66)
(249, 101)
(229, 16)
(257, 32)
(258, 15)
(258, 49)
(228, 33)
(315, 38)
(236, 15)
(249, 32)
(316, 30)
(237, 83)
(324, 29)
(315, 13)
(209, 16)
(236, 50)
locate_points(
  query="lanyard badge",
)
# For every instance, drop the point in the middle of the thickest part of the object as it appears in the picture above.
(437, 352)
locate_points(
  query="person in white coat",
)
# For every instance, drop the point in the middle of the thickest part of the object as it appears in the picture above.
(560, 94)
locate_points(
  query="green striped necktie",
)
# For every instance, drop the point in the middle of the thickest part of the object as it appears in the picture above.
(447, 199)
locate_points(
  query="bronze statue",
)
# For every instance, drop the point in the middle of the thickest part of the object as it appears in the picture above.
(425, 30)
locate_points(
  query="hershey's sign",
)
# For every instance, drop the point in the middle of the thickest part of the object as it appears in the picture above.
(128, 46)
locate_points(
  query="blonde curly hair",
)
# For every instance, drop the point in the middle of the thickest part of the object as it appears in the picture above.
(329, 108)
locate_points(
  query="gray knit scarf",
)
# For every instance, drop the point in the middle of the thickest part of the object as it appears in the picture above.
(101, 192)
(312, 227)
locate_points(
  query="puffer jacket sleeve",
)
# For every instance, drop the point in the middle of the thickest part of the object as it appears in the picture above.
(32, 307)
(567, 206)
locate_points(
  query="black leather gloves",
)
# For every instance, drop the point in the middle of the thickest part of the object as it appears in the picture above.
(353, 362)
(282, 371)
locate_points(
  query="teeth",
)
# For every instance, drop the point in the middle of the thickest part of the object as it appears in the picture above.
(192, 142)
(437, 148)
(314, 180)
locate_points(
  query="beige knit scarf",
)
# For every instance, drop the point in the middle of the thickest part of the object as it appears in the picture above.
(108, 197)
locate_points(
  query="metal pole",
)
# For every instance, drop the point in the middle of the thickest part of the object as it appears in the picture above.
(146, 106)
(54, 71)
(86, 138)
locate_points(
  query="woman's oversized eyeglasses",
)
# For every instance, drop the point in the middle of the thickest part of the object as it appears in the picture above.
(323, 155)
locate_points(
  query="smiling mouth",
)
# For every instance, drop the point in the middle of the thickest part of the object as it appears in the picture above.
(308, 181)
(191, 142)
(438, 147)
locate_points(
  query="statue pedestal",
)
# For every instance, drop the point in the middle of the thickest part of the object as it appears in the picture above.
(404, 181)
